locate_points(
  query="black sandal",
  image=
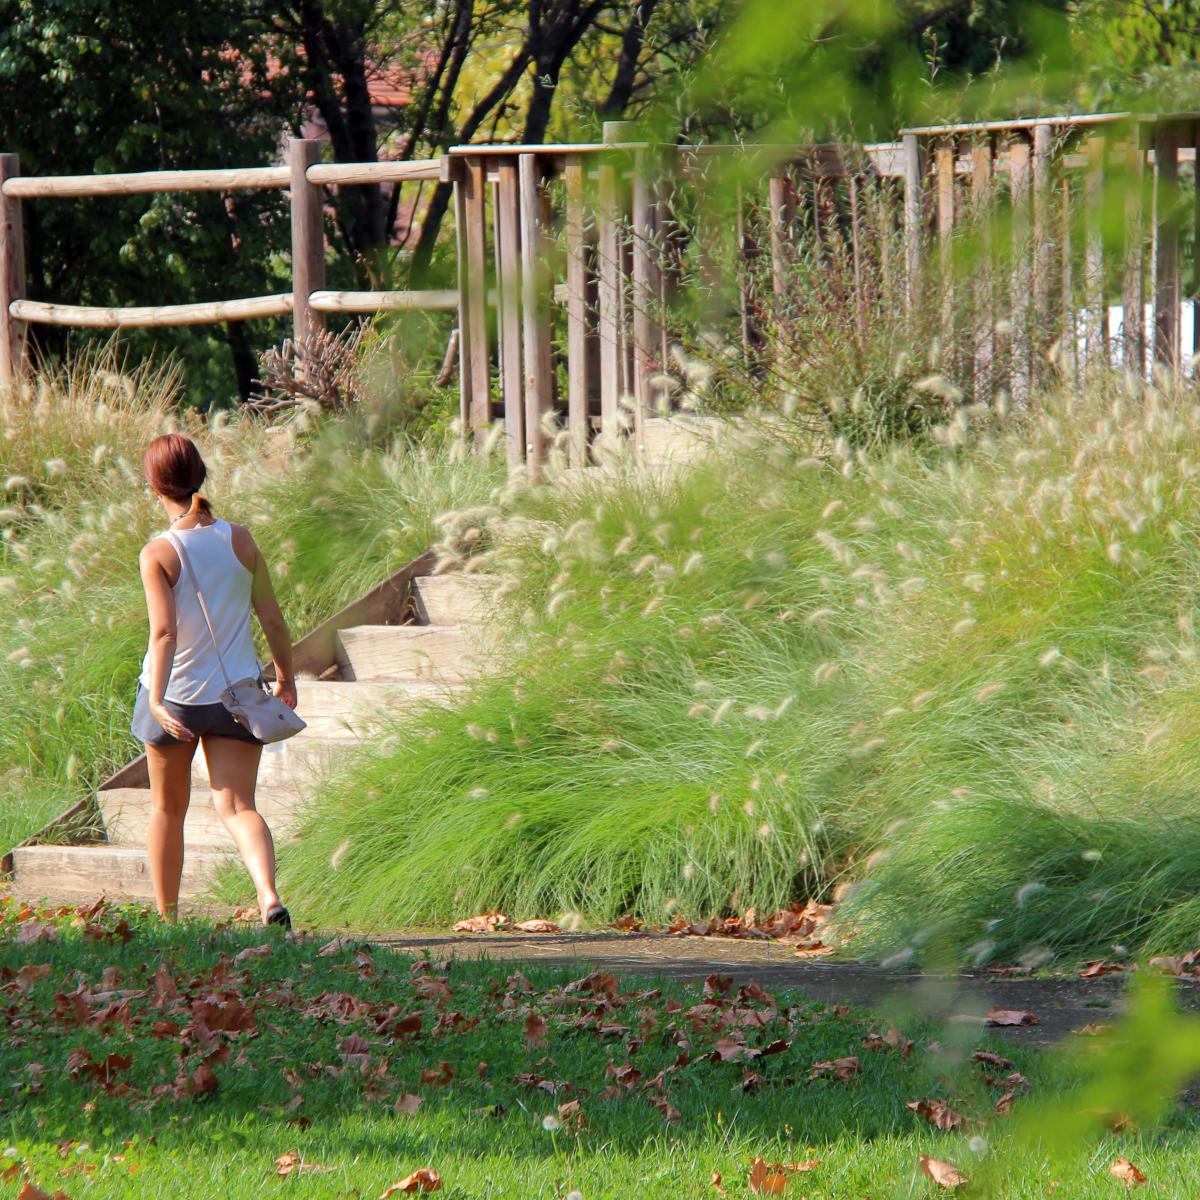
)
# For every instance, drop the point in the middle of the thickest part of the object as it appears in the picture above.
(279, 916)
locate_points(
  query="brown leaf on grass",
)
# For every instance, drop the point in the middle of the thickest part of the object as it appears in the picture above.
(35, 931)
(1094, 970)
(814, 950)
(252, 952)
(717, 985)
(1112, 1119)
(944, 1174)
(1007, 1016)
(627, 924)
(664, 1106)
(335, 946)
(293, 1163)
(1005, 1103)
(890, 1039)
(836, 1068)
(1127, 1173)
(483, 923)
(30, 1191)
(439, 1076)
(767, 1180)
(715, 1180)
(991, 1060)
(1177, 964)
(530, 1079)
(424, 1179)
(29, 974)
(407, 1104)
(937, 1112)
(572, 1116)
(536, 1029)
(1092, 1029)
(537, 926)
(203, 1081)
(354, 1049)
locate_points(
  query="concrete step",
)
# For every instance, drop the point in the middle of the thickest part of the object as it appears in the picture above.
(454, 599)
(118, 871)
(675, 440)
(296, 764)
(345, 709)
(437, 653)
(126, 813)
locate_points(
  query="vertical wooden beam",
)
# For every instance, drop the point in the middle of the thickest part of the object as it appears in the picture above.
(644, 292)
(1133, 287)
(577, 327)
(984, 300)
(914, 233)
(536, 287)
(1018, 176)
(1043, 240)
(308, 235)
(508, 289)
(782, 204)
(479, 391)
(464, 302)
(1066, 281)
(609, 299)
(1195, 140)
(1095, 300)
(860, 298)
(944, 167)
(12, 275)
(1166, 245)
(881, 199)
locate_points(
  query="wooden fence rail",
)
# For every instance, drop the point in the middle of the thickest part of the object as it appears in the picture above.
(570, 257)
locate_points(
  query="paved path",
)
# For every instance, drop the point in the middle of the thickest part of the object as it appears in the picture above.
(1060, 1004)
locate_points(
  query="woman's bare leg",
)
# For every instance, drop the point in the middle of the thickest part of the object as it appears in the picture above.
(233, 771)
(170, 791)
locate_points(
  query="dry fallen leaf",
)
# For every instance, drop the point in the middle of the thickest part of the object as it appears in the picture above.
(1092, 1029)
(483, 923)
(535, 1029)
(716, 1181)
(838, 1068)
(937, 1112)
(767, 1180)
(1127, 1173)
(944, 1174)
(424, 1179)
(292, 1161)
(1005, 1016)
(537, 926)
(1094, 970)
(407, 1104)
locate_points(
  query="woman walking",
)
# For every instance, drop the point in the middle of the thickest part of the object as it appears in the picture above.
(178, 697)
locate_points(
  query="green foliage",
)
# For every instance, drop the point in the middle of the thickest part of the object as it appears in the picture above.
(334, 512)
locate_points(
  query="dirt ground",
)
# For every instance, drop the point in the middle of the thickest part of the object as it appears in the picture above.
(1061, 1004)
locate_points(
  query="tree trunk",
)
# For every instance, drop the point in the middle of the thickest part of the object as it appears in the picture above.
(625, 75)
(245, 361)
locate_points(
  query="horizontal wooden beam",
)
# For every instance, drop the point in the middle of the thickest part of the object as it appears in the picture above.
(351, 302)
(205, 313)
(1024, 123)
(377, 172)
(225, 180)
(493, 148)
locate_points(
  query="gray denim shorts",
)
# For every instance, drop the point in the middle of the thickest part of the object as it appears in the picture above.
(204, 720)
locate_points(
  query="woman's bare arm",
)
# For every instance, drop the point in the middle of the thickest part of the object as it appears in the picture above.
(160, 608)
(274, 626)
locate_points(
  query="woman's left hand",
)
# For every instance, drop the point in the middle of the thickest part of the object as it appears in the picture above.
(285, 689)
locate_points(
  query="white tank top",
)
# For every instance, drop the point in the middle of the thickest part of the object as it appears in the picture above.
(196, 674)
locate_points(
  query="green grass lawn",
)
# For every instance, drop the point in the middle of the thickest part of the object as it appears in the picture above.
(144, 1060)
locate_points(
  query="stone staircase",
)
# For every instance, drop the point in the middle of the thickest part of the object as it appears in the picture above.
(433, 640)
(377, 667)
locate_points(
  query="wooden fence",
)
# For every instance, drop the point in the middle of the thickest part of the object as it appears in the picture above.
(569, 256)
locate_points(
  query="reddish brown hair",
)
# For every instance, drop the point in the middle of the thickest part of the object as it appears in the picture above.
(173, 468)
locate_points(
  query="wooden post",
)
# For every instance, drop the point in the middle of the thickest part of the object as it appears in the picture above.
(535, 288)
(1195, 139)
(782, 203)
(1043, 242)
(1069, 339)
(12, 276)
(1166, 245)
(1018, 175)
(944, 160)
(1095, 301)
(644, 293)
(308, 235)
(984, 301)
(508, 287)
(464, 301)
(860, 298)
(914, 233)
(577, 325)
(479, 390)
(609, 298)
(1133, 288)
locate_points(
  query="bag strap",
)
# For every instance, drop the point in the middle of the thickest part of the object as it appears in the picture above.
(173, 538)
